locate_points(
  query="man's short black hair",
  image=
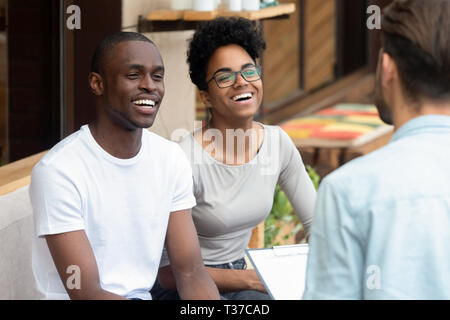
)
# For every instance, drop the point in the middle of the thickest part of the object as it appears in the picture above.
(211, 35)
(107, 45)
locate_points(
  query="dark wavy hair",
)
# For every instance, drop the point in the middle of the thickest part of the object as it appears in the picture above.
(416, 33)
(211, 35)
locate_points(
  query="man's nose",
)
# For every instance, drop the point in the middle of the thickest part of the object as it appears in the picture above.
(147, 83)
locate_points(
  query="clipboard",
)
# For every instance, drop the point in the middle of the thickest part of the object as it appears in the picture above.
(282, 269)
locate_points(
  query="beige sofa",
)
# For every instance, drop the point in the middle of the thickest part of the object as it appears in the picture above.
(16, 232)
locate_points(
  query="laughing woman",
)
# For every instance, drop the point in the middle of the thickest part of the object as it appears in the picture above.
(236, 161)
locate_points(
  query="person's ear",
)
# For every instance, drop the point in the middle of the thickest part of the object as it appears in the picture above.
(96, 83)
(206, 99)
(389, 71)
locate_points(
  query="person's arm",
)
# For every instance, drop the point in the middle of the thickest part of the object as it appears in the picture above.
(192, 280)
(227, 280)
(335, 258)
(72, 249)
(294, 180)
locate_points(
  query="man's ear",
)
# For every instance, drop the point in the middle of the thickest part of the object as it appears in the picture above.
(204, 96)
(96, 83)
(389, 71)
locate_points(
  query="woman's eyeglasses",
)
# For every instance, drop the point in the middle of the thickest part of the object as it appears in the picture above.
(225, 79)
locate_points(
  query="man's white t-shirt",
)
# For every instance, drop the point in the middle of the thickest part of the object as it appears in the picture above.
(123, 205)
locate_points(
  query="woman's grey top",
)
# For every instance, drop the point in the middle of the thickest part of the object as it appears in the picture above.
(233, 200)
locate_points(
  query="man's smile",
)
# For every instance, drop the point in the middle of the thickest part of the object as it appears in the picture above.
(145, 103)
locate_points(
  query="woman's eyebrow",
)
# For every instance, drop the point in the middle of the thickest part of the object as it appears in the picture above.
(242, 67)
(223, 69)
(247, 65)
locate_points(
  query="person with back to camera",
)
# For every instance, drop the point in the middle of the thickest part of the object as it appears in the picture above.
(236, 161)
(382, 223)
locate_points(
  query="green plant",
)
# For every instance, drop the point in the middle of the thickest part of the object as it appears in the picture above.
(282, 213)
(315, 178)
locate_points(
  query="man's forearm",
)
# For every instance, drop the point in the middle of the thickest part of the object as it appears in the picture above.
(197, 286)
(97, 294)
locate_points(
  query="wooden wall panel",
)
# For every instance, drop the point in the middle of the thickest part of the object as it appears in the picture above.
(319, 42)
(3, 99)
(282, 57)
(287, 53)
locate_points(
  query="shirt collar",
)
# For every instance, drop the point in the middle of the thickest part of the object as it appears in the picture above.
(420, 123)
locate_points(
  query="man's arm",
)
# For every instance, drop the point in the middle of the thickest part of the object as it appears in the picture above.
(73, 249)
(335, 258)
(192, 280)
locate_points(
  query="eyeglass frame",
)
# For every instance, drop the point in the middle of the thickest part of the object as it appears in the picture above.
(257, 67)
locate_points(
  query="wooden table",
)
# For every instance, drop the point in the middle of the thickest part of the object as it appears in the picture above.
(178, 20)
(331, 137)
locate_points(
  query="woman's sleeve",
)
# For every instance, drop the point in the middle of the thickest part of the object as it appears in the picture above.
(294, 180)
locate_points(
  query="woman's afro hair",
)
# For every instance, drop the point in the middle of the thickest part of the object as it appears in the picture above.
(213, 34)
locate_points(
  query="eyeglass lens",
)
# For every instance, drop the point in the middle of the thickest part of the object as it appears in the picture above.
(228, 78)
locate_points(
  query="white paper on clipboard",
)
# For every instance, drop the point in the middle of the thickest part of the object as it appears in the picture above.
(282, 270)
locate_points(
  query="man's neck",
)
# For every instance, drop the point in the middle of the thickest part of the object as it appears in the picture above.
(406, 113)
(442, 109)
(117, 141)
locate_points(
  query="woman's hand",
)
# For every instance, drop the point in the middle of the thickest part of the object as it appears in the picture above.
(253, 281)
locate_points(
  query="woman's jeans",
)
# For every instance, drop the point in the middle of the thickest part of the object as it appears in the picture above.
(159, 293)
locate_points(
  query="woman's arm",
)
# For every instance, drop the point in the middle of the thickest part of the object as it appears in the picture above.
(227, 280)
(294, 180)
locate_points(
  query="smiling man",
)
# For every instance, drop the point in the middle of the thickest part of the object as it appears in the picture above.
(109, 196)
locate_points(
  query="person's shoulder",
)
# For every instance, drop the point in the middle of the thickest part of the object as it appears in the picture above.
(63, 159)
(168, 149)
(187, 142)
(362, 177)
(275, 133)
(157, 141)
(366, 165)
(64, 152)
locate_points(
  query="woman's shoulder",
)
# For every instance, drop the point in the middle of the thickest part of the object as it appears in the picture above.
(187, 142)
(276, 134)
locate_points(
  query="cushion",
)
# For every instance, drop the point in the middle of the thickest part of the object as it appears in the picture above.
(16, 234)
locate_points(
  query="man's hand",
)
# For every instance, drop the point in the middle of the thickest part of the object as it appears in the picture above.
(72, 249)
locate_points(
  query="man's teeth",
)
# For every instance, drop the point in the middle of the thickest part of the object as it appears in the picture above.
(242, 96)
(145, 103)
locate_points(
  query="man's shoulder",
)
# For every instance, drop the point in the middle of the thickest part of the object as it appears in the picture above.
(166, 148)
(363, 172)
(64, 152)
(157, 140)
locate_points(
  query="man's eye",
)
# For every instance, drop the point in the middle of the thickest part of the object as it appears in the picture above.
(158, 77)
(132, 75)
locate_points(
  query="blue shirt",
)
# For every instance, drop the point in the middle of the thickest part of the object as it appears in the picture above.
(382, 222)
